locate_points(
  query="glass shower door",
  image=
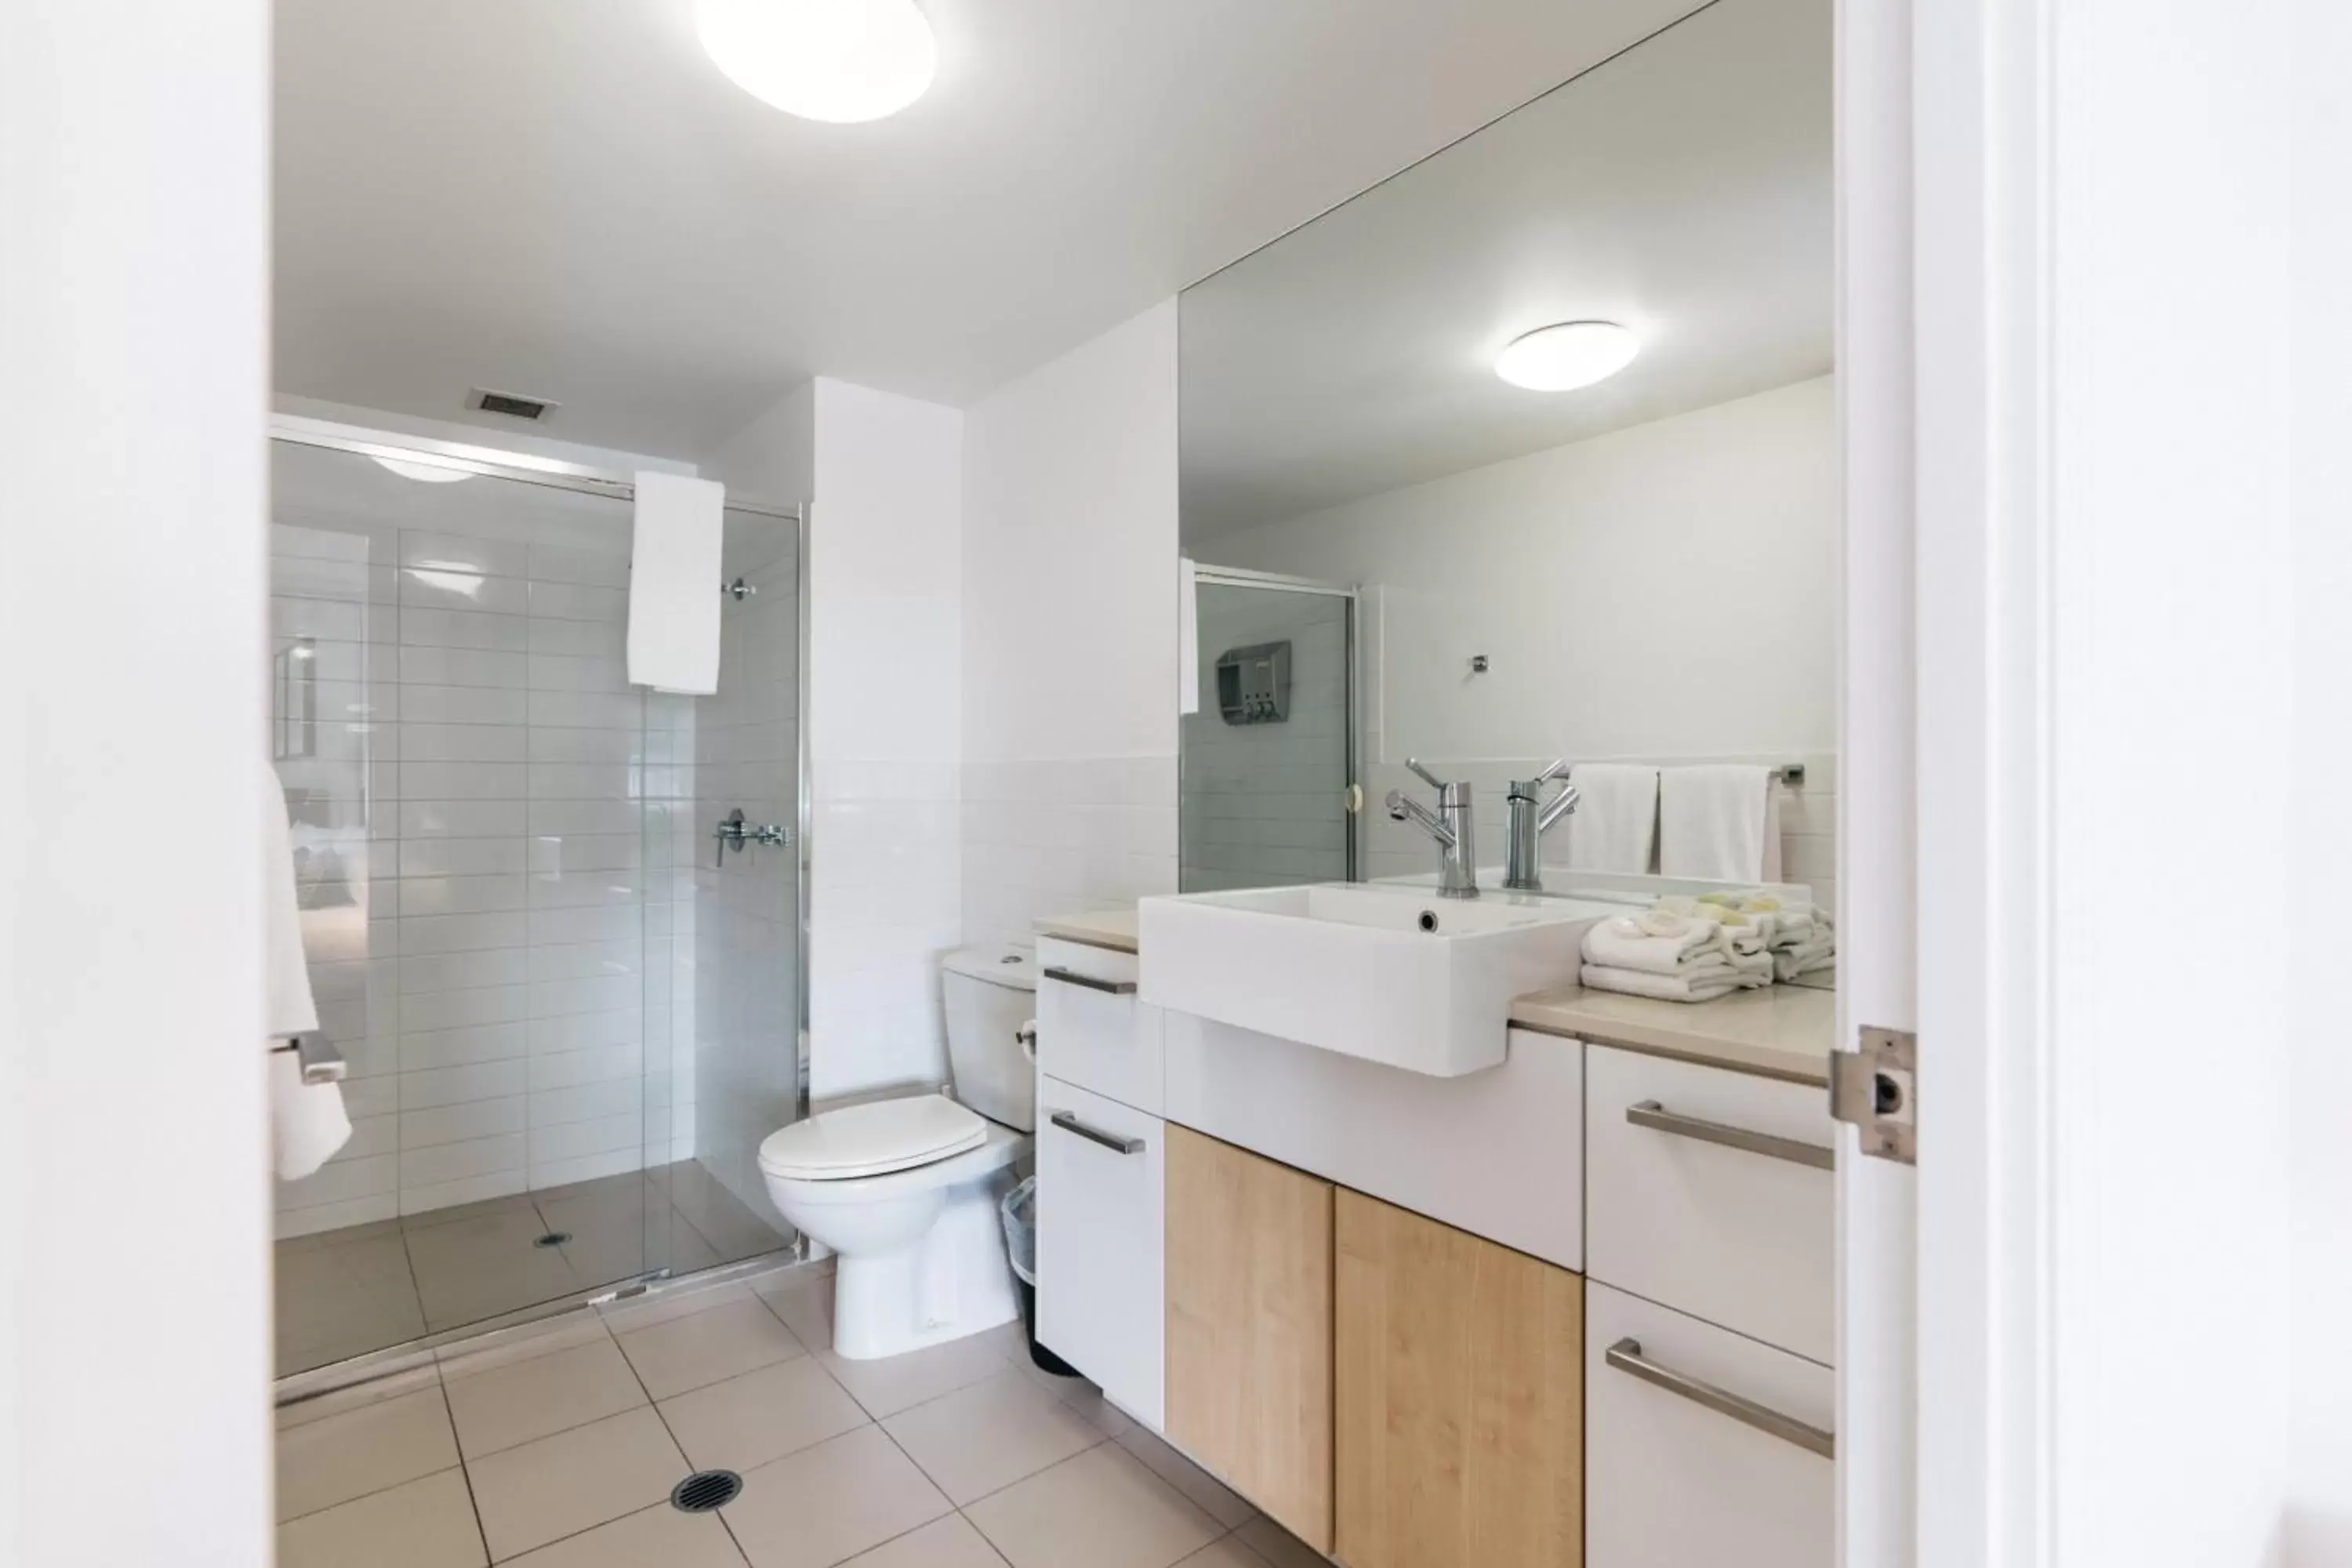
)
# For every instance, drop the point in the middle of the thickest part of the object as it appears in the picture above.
(1267, 764)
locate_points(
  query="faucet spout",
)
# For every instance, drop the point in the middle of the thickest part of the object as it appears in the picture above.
(1403, 807)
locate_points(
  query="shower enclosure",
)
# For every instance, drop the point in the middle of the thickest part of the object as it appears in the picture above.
(570, 1000)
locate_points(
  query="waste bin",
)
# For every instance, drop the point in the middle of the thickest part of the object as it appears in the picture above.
(1020, 1208)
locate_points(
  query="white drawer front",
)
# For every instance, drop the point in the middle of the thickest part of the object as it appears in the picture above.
(1670, 1480)
(1736, 1236)
(1101, 1222)
(1091, 1030)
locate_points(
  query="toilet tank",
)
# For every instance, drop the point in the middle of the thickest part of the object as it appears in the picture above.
(991, 992)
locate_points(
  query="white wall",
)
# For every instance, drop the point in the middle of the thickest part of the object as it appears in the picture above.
(1664, 593)
(886, 599)
(133, 301)
(1069, 633)
(2319, 1494)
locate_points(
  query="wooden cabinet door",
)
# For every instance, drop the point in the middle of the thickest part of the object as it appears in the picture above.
(1460, 1398)
(1249, 1327)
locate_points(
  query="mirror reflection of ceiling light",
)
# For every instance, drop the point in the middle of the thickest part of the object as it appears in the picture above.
(466, 583)
(1567, 356)
(431, 473)
(839, 60)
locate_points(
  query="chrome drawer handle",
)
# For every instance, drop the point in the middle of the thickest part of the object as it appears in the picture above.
(1072, 977)
(1069, 1123)
(1625, 1355)
(1658, 1118)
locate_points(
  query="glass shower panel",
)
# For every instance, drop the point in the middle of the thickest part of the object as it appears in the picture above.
(1267, 762)
(496, 845)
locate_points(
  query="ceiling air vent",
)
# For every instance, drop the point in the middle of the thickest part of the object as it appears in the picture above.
(512, 404)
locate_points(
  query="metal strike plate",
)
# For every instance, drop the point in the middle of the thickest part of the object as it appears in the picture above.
(1876, 1088)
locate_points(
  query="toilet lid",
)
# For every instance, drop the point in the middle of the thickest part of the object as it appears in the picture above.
(869, 1140)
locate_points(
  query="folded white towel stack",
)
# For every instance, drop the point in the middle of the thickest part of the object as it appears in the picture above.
(673, 584)
(1720, 822)
(1675, 957)
(1615, 825)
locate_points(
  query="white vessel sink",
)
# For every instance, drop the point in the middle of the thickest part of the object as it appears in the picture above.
(1394, 974)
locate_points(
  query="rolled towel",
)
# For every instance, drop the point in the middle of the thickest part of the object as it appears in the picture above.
(1656, 943)
(1755, 969)
(1800, 961)
(1701, 987)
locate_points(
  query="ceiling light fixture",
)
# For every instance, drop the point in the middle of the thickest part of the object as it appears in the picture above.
(430, 473)
(838, 60)
(1567, 356)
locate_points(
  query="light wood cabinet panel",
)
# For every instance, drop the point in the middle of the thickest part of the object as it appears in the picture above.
(1460, 1398)
(1249, 1327)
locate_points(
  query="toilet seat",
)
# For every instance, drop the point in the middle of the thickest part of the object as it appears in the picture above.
(872, 1140)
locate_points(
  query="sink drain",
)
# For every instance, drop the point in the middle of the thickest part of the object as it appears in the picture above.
(706, 1490)
(553, 1239)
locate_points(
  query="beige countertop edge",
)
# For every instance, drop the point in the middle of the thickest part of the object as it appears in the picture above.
(1783, 1031)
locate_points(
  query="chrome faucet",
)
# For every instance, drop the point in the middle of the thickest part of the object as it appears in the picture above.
(1529, 819)
(1449, 824)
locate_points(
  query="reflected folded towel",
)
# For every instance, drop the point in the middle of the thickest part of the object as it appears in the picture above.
(1708, 984)
(1803, 961)
(1655, 943)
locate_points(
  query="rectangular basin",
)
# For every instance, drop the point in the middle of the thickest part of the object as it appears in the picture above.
(1391, 974)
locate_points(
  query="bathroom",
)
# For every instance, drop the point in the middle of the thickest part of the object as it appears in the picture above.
(1077, 787)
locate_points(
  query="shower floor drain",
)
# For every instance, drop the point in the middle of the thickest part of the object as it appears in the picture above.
(553, 1239)
(706, 1490)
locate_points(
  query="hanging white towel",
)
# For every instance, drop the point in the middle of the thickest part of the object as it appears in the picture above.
(1615, 824)
(674, 582)
(308, 1122)
(1720, 822)
(1188, 636)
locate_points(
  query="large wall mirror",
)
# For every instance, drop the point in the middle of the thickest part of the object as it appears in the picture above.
(1400, 554)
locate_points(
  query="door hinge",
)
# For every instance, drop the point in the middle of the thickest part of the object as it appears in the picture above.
(1877, 1089)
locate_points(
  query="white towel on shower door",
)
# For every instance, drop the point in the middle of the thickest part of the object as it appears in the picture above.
(1615, 824)
(307, 1121)
(675, 561)
(1720, 822)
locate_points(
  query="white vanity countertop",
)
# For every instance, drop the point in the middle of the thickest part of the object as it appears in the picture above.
(1782, 1031)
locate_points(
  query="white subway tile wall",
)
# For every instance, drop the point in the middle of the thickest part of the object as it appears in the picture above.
(1262, 805)
(501, 845)
(1057, 837)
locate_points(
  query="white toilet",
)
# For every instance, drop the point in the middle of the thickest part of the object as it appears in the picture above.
(905, 1191)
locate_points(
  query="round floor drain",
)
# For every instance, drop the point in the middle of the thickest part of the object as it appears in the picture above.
(706, 1490)
(553, 1239)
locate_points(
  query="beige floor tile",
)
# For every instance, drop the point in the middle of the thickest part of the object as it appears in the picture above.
(1226, 1554)
(983, 1439)
(826, 1504)
(761, 1415)
(666, 1306)
(1205, 1492)
(488, 1353)
(660, 1535)
(708, 1347)
(1101, 1509)
(1278, 1546)
(426, 1524)
(408, 1379)
(339, 1457)
(804, 1300)
(559, 1486)
(888, 1386)
(950, 1543)
(545, 1394)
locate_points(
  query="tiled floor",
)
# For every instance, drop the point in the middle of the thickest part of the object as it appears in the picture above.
(345, 1292)
(559, 1452)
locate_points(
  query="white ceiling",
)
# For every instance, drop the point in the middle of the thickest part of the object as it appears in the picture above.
(1683, 188)
(564, 198)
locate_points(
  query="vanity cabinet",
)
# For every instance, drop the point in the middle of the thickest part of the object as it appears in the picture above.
(1460, 1372)
(1101, 1196)
(1706, 1446)
(1091, 1029)
(1249, 1322)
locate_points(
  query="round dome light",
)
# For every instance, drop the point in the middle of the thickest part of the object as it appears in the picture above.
(838, 60)
(1567, 356)
(431, 473)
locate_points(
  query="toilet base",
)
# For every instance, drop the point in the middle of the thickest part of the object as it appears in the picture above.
(948, 1283)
